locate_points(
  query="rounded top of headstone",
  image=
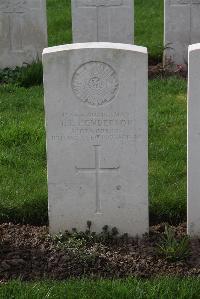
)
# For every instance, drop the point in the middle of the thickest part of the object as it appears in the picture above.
(95, 45)
(194, 47)
(95, 83)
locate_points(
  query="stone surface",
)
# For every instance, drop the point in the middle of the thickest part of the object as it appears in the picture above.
(194, 141)
(96, 122)
(103, 21)
(182, 28)
(23, 31)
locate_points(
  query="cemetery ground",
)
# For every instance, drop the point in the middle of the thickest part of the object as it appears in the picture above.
(104, 289)
(26, 250)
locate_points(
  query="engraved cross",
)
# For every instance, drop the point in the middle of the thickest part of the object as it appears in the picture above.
(190, 4)
(99, 5)
(97, 170)
(14, 12)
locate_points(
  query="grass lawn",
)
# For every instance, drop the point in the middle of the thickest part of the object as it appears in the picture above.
(165, 288)
(23, 190)
(167, 149)
(148, 24)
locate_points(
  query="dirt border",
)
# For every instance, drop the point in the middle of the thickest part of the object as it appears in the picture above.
(28, 253)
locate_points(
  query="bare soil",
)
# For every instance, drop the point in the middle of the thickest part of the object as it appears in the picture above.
(28, 253)
(161, 71)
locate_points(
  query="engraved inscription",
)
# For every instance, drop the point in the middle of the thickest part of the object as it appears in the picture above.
(95, 83)
(13, 6)
(97, 127)
(97, 170)
(97, 3)
(184, 2)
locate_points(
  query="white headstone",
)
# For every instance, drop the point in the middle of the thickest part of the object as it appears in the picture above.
(102, 21)
(182, 28)
(23, 31)
(96, 122)
(194, 141)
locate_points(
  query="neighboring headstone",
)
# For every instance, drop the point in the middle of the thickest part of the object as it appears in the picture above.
(23, 31)
(96, 122)
(102, 21)
(182, 28)
(194, 141)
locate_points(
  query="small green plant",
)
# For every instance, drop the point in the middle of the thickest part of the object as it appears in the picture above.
(80, 240)
(173, 249)
(70, 241)
(31, 75)
(25, 76)
(75, 244)
(9, 76)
